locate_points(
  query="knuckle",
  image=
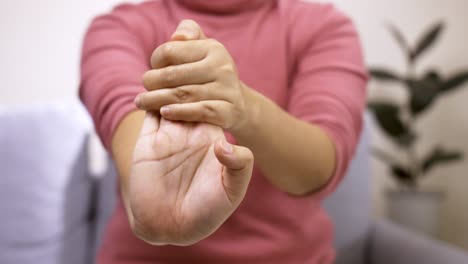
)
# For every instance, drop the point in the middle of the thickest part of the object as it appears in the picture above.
(209, 112)
(183, 94)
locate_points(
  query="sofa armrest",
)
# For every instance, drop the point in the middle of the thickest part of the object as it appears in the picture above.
(391, 244)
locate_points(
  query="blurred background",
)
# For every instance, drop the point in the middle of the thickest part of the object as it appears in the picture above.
(40, 51)
(446, 122)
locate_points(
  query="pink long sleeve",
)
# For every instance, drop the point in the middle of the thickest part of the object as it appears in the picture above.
(329, 84)
(115, 56)
(304, 56)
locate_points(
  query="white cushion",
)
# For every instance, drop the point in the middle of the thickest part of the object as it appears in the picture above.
(45, 187)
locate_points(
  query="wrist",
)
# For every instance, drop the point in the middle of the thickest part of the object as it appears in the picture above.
(249, 124)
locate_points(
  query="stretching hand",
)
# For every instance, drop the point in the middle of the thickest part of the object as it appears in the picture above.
(186, 180)
(195, 79)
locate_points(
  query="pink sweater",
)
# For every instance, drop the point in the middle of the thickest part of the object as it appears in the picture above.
(304, 56)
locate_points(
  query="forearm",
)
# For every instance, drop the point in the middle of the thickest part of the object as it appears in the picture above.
(295, 156)
(123, 143)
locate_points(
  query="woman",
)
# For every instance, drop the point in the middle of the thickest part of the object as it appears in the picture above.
(284, 79)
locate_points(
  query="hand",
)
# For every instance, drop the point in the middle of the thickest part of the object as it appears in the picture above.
(185, 181)
(195, 80)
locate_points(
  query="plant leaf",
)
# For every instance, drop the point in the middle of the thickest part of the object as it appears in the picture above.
(439, 156)
(400, 39)
(403, 175)
(422, 93)
(388, 118)
(426, 41)
(454, 82)
(384, 75)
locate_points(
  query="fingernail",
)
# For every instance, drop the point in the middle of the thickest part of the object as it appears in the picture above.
(227, 148)
(165, 110)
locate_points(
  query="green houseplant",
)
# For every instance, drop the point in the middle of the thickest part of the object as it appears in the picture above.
(397, 121)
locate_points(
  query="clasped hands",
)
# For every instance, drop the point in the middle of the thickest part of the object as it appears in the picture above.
(195, 79)
(186, 179)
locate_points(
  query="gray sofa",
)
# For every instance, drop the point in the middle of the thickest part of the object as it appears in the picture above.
(54, 209)
(360, 239)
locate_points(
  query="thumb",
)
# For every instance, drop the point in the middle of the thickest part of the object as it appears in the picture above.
(238, 165)
(188, 30)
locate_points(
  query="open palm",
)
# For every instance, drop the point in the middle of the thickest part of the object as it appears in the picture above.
(183, 184)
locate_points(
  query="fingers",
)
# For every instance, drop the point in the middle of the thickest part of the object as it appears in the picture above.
(238, 165)
(178, 52)
(178, 75)
(154, 100)
(188, 30)
(215, 112)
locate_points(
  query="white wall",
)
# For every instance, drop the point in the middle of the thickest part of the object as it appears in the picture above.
(40, 53)
(41, 43)
(447, 122)
(40, 47)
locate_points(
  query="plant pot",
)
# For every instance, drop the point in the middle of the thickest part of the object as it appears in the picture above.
(417, 210)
